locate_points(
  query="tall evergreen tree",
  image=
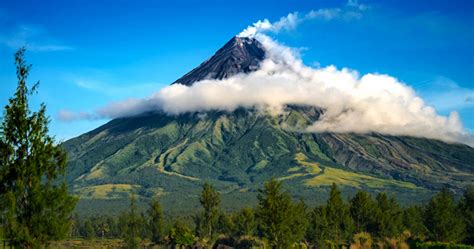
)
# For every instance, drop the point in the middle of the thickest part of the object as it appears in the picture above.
(244, 222)
(387, 217)
(317, 233)
(413, 221)
(155, 219)
(210, 201)
(339, 223)
(132, 231)
(362, 210)
(33, 197)
(89, 231)
(443, 219)
(466, 205)
(281, 222)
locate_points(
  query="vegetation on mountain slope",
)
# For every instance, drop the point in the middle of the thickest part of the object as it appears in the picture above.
(170, 156)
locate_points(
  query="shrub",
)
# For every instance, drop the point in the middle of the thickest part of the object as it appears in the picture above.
(361, 241)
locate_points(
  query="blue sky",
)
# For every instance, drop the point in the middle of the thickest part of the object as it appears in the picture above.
(89, 53)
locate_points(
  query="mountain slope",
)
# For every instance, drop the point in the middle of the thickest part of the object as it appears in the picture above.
(171, 156)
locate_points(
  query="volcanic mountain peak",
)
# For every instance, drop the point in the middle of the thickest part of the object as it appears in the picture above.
(239, 55)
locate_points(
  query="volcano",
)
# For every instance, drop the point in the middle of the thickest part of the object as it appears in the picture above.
(155, 154)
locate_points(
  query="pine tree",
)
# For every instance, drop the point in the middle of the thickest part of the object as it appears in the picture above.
(155, 218)
(132, 231)
(466, 205)
(317, 233)
(362, 210)
(244, 223)
(387, 217)
(281, 222)
(33, 196)
(413, 221)
(339, 223)
(89, 231)
(443, 219)
(210, 201)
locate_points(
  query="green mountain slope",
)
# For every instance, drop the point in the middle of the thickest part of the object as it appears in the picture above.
(171, 156)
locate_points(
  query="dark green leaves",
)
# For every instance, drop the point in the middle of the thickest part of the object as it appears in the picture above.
(35, 203)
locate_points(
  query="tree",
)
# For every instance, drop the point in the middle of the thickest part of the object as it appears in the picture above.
(387, 217)
(317, 233)
(339, 222)
(210, 201)
(89, 231)
(281, 222)
(466, 205)
(181, 234)
(102, 227)
(244, 223)
(225, 224)
(155, 217)
(362, 210)
(413, 221)
(443, 219)
(132, 231)
(33, 196)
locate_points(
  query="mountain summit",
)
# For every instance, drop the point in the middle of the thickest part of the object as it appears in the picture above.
(239, 55)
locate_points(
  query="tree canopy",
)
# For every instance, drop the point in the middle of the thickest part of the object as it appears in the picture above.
(34, 200)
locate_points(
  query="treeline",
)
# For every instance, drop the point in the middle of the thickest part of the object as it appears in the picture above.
(278, 221)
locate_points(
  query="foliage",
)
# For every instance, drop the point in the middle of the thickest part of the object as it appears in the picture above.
(34, 200)
(132, 229)
(362, 209)
(413, 221)
(466, 206)
(317, 233)
(387, 217)
(89, 231)
(339, 223)
(244, 223)
(281, 221)
(210, 201)
(278, 215)
(361, 241)
(443, 219)
(181, 234)
(439, 245)
(155, 221)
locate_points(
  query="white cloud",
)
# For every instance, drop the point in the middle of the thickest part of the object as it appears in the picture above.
(352, 103)
(69, 116)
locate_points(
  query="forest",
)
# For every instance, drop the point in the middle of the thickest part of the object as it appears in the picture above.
(278, 221)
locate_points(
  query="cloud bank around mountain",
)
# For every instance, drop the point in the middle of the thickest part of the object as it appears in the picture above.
(352, 102)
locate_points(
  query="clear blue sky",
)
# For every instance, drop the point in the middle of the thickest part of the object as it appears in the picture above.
(88, 53)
